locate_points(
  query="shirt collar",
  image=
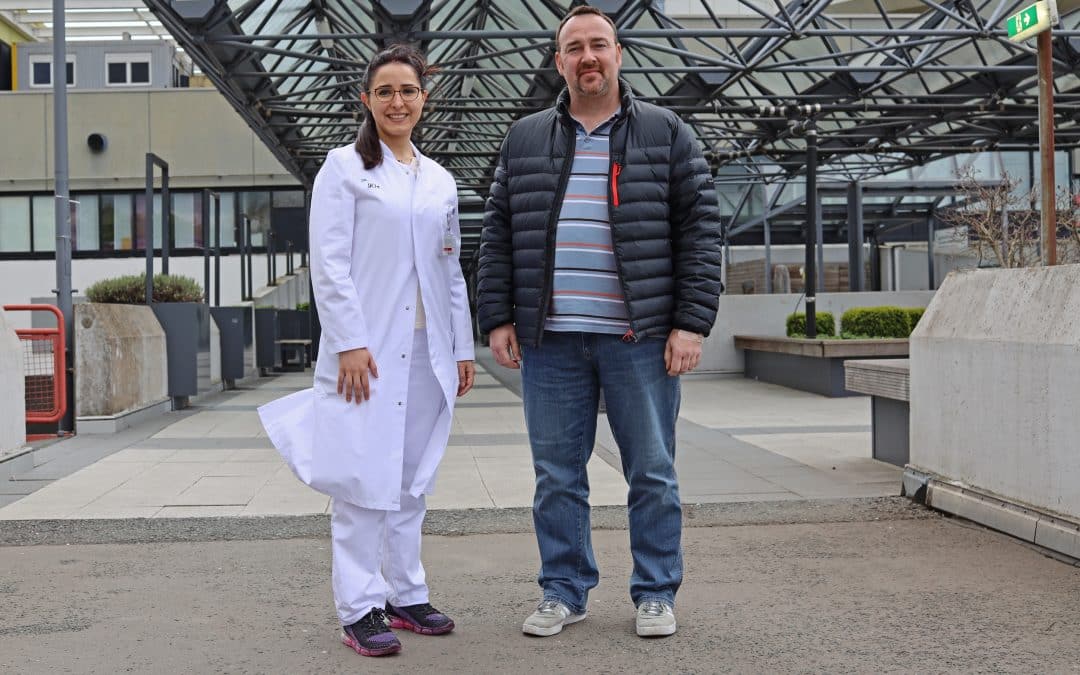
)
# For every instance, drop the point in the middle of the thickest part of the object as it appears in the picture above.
(603, 126)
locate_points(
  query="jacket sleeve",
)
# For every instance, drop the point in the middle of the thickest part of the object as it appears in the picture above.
(460, 316)
(333, 210)
(494, 290)
(695, 234)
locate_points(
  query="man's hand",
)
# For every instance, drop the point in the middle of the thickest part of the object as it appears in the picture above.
(504, 346)
(466, 375)
(354, 368)
(683, 351)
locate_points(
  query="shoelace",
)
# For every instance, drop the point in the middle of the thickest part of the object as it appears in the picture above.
(374, 623)
(548, 607)
(652, 608)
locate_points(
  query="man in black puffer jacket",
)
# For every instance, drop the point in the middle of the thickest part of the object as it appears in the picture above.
(599, 271)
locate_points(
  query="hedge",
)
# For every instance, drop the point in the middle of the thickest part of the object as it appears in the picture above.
(131, 289)
(877, 322)
(796, 324)
(913, 315)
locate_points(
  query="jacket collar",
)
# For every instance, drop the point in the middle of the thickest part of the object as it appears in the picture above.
(562, 103)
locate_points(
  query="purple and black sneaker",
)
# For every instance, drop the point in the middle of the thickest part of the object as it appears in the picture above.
(371, 636)
(422, 618)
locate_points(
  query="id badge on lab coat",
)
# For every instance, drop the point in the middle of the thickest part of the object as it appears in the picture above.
(449, 241)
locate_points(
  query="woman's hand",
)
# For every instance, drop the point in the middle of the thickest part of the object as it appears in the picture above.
(466, 375)
(354, 368)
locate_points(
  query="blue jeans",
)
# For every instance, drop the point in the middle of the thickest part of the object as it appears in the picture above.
(561, 381)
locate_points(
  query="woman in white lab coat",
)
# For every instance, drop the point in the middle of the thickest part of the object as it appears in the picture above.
(396, 349)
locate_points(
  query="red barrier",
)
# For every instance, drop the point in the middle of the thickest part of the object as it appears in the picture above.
(43, 367)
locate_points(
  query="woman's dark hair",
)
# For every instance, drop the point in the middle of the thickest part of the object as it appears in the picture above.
(367, 142)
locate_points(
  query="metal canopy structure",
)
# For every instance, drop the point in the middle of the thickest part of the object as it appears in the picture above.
(890, 84)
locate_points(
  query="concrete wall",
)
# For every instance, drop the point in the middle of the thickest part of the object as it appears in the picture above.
(12, 393)
(767, 315)
(120, 359)
(995, 379)
(289, 291)
(203, 139)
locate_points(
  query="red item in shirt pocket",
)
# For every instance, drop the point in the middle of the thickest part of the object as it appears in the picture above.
(615, 171)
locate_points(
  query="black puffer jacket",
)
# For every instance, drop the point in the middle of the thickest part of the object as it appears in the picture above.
(662, 207)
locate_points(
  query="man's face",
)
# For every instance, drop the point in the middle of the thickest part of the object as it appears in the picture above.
(588, 57)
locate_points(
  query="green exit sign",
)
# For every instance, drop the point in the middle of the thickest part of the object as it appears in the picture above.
(1032, 20)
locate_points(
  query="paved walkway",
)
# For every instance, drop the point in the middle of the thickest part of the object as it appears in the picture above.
(136, 552)
(739, 441)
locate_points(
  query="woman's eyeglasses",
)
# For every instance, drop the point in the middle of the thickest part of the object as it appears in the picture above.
(386, 94)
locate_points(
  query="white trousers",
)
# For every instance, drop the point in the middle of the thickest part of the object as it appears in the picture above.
(376, 554)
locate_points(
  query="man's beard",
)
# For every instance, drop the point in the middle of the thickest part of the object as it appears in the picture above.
(602, 90)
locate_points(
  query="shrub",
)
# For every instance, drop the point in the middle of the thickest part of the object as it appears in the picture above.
(303, 306)
(131, 289)
(913, 315)
(877, 322)
(796, 324)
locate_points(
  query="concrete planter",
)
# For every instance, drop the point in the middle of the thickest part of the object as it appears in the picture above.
(265, 337)
(235, 326)
(120, 362)
(272, 325)
(187, 333)
(816, 366)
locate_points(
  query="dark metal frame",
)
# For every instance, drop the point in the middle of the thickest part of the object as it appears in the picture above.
(890, 91)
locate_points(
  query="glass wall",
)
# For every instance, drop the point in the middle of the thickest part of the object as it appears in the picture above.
(114, 222)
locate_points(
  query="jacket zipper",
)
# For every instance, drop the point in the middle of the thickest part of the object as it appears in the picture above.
(616, 169)
(549, 262)
(613, 202)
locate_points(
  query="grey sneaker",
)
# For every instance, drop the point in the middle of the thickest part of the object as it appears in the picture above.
(655, 619)
(549, 618)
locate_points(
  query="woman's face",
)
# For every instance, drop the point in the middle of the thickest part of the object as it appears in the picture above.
(392, 85)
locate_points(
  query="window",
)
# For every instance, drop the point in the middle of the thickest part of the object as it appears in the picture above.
(14, 224)
(86, 222)
(41, 70)
(116, 217)
(44, 214)
(127, 70)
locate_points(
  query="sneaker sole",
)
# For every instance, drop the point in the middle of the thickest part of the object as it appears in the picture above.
(656, 631)
(404, 624)
(364, 651)
(553, 630)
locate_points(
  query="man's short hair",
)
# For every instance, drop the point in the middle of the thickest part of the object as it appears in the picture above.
(579, 11)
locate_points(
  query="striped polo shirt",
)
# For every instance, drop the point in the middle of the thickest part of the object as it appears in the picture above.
(586, 295)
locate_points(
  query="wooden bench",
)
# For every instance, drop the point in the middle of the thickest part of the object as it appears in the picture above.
(814, 365)
(888, 382)
(295, 354)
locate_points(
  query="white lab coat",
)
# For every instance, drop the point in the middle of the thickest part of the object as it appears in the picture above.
(375, 234)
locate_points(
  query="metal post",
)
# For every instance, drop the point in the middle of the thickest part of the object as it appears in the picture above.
(238, 238)
(768, 256)
(205, 213)
(166, 220)
(247, 251)
(217, 251)
(930, 250)
(148, 227)
(855, 236)
(1046, 147)
(271, 280)
(811, 230)
(820, 225)
(153, 160)
(62, 208)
